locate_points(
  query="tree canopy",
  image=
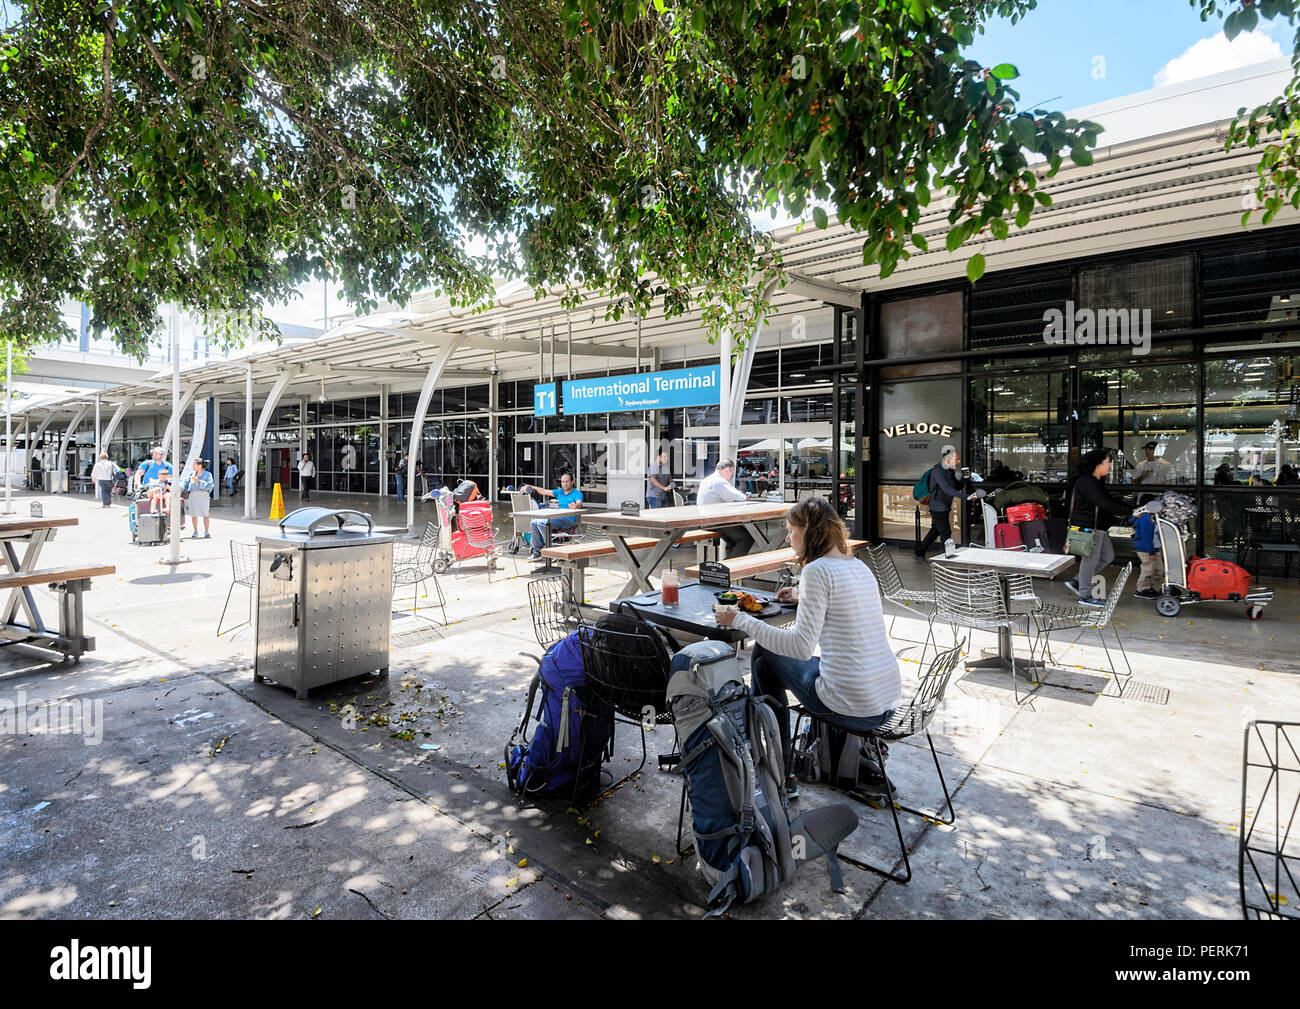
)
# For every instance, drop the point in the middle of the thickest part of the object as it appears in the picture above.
(218, 154)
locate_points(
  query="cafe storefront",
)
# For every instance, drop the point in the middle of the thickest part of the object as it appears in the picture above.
(1206, 365)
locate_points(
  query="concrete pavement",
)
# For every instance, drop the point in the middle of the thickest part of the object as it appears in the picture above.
(212, 796)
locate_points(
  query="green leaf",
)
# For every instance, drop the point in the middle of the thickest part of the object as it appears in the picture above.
(1082, 156)
(1006, 71)
(590, 48)
(999, 228)
(819, 217)
(975, 267)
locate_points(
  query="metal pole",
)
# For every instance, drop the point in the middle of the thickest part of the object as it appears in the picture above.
(570, 348)
(724, 397)
(9, 424)
(249, 478)
(174, 547)
(638, 344)
(98, 430)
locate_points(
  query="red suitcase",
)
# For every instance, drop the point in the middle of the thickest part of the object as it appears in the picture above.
(1005, 535)
(1213, 579)
(1027, 512)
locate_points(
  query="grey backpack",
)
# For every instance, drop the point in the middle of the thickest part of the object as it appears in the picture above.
(746, 842)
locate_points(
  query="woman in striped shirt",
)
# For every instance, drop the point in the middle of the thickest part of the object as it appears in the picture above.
(856, 678)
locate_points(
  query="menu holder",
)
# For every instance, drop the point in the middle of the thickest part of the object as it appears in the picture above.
(37, 512)
(630, 508)
(715, 575)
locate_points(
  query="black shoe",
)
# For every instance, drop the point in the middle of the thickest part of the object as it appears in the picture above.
(1073, 585)
(791, 788)
(1095, 604)
(1146, 594)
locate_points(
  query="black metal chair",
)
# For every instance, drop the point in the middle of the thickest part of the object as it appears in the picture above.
(911, 719)
(550, 603)
(628, 670)
(1265, 842)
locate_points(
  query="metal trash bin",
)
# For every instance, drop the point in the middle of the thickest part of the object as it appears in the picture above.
(324, 599)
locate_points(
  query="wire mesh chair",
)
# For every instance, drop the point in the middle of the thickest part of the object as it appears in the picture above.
(890, 582)
(413, 565)
(1052, 617)
(975, 599)
(481, 534)
(629, 672)
(911, 719)
(243, 571)
(550, 603)
(1266, 842)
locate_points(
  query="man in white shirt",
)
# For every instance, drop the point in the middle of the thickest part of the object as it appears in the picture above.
(1151, 469)
(716, 488)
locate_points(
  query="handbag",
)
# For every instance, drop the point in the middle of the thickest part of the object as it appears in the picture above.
(1079, 541)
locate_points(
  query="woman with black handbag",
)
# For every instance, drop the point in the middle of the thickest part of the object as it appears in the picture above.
(1087, 538)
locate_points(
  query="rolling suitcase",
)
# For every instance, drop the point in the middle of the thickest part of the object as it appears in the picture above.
(1007, 534)
(150, 528)
(1034, 534)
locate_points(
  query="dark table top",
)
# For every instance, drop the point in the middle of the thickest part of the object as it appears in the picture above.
(694, 611)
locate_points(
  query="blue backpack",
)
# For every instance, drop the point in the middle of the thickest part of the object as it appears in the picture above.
(574, 734)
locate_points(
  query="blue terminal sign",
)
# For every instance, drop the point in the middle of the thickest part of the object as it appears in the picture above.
(544, 404)
(651, 390)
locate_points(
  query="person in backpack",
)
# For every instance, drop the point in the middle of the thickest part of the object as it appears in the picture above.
(855, 681)
(945, 488)
(1090, 503)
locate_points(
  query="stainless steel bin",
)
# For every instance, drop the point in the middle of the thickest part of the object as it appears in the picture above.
(324, 599)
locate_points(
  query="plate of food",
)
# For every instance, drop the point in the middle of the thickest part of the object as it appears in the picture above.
(747, 602)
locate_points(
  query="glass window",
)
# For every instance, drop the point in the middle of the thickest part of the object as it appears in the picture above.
(506, 395)
(1020, 428)
(1164, 286)
(917, 419)
(921, 325)
(758, 465)
(764, 410)
(453, 400)
(848, 432)
(798, 365)
(1134, 407)
(1252, 420)
(1009, 311)
(766, 370)
(848, 337)
(1251, 284)
(801, 409)
(476, 398)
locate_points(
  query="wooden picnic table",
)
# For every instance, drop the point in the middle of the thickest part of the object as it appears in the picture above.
(1006, 564)
(23, 574)
(670, 524)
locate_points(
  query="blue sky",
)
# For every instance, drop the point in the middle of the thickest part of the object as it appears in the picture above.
(1057, 46)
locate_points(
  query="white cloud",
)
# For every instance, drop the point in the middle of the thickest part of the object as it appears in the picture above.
(1216, 54)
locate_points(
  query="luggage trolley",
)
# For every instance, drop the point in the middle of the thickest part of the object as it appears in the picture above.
(1204, 580)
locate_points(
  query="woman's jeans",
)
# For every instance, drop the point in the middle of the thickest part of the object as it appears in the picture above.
(1102, 554)
(774, 674)
(105, 492)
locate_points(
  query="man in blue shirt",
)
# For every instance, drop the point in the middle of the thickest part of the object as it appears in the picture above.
(566, 496)
(156, 470)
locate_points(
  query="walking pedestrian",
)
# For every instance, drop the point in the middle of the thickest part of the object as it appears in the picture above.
(103, 474)
(196, 492)
(306, 475)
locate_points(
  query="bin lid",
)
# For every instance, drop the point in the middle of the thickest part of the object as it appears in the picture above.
(311, 528)
(314, 522)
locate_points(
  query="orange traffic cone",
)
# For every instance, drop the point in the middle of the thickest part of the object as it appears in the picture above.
(277, 504)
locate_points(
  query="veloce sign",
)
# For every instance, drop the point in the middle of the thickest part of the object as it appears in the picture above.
(942, 430)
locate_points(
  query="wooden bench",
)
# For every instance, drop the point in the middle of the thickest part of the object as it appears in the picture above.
(750, 565)
(575, 557)
(70, 583)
